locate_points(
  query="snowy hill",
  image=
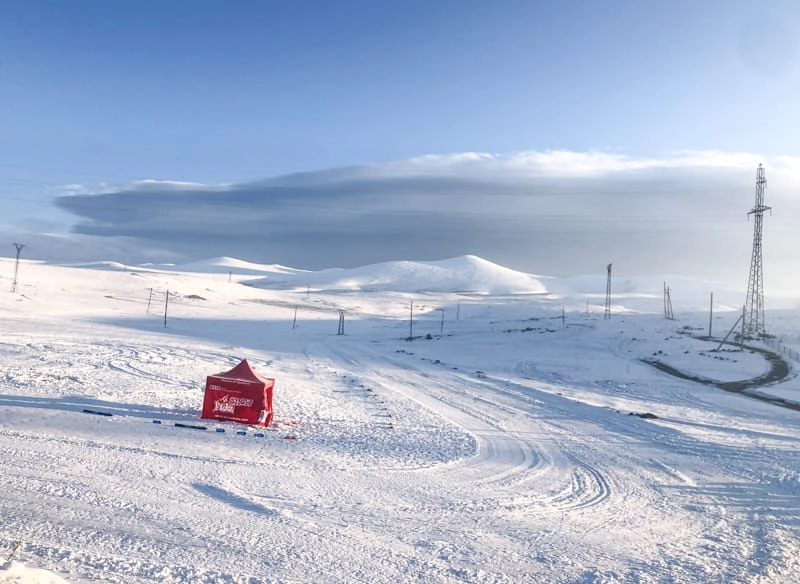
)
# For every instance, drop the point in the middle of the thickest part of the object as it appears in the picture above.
(227, 265)
(467, 274)
(508, 432)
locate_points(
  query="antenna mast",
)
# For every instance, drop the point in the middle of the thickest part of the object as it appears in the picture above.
(753, 325)
(607, 313)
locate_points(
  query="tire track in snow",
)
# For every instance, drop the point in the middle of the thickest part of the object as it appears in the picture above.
(594, 488)
(587, 486)
(502, 457)
(507, 458)
(527, 470)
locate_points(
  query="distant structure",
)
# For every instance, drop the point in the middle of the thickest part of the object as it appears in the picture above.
(668, 314)
(753, 325)
(608, 293)
(19, 247)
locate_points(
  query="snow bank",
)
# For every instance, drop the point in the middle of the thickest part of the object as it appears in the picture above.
(17, 573)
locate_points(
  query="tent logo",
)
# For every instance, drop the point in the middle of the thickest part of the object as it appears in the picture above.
(228, 404)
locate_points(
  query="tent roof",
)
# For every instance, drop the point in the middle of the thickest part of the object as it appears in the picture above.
(243, 371)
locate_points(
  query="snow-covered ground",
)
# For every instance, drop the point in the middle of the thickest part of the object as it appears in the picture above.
(497, 437)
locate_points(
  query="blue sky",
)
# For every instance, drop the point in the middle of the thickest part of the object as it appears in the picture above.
(110, 93)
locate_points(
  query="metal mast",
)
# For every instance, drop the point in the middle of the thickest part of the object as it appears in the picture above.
(607, 313)
(19, 247)
(753, 325)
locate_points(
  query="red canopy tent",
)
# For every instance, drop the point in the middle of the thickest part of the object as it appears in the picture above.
(239, 395)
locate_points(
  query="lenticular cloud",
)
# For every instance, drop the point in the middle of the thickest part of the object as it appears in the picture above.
(556, 212)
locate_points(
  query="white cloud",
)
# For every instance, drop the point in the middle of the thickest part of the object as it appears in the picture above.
(138, 185)
(567, 163)
(554, 212)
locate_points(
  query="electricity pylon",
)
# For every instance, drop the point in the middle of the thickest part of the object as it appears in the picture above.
(753, 326)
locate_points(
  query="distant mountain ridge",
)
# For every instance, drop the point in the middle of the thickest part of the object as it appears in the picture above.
(467, 274)
(464, 274)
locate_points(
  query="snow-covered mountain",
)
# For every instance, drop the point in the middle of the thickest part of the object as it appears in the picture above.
(225, 265)
(466, 274)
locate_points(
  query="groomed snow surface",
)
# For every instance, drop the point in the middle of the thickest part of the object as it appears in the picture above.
(503, 443)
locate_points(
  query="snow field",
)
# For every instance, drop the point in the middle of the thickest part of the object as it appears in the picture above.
(498, 448)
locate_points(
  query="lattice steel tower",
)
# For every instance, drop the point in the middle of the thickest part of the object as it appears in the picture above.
(753, 326)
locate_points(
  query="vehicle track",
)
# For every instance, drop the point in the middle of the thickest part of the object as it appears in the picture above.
(513, 452)
(779, 371)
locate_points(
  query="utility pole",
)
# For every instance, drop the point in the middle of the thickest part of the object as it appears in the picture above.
(667, 303)
(725, 338)
(753, 324)
(607, 314)
(166, 305)
(411, 323)
(710, 314)
(19, 247)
